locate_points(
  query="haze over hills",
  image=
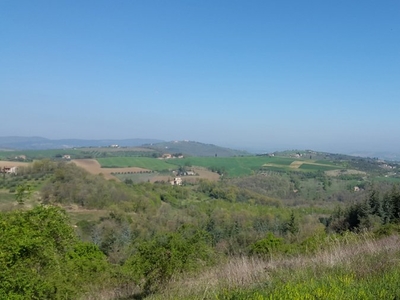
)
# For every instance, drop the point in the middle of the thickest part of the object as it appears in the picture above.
(40, 143)
(192, 148)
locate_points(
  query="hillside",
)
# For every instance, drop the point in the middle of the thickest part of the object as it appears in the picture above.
(245, 238)
(192, 148)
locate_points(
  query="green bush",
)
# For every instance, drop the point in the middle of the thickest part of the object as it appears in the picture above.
(267, 246)
(33, 244)
(156, 261)
(41, 257)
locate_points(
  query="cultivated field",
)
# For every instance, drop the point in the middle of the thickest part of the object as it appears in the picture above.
(122, 149)
(147, 163)
(344, 172)
(93, 166)
(301, 165)
(202, 174)
(231, 166)
(138, 174)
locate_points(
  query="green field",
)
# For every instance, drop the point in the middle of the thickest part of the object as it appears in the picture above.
(325, 162)
(319, 167)
(76, 153)
(38, 154)
(387, 179)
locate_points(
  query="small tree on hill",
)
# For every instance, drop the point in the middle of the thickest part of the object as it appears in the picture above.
(23, 193)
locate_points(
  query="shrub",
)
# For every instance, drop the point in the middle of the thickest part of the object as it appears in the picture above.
(41, 257)
(267, 246)
(157, 260)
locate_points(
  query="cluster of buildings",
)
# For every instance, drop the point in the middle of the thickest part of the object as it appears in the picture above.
(169, 156)
(9, 170)
(176, 181)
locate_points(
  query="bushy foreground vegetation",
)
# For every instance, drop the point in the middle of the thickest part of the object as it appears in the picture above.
(42, 258)
(249, 238)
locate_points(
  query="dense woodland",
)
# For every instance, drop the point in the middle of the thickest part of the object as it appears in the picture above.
(67, 234)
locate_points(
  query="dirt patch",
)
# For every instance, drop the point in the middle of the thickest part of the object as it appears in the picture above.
(207, 174)
(93, 167)
(10, 164)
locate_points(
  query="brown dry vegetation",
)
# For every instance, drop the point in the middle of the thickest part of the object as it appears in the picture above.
(244, 272)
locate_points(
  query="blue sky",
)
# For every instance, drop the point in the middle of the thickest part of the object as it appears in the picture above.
(263, 75)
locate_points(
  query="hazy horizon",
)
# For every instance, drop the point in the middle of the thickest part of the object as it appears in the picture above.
(246, 75)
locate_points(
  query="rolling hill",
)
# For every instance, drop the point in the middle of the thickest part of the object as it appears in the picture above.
(192, 148)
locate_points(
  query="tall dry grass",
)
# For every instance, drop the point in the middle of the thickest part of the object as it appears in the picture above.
(361, 253)
(123, 291)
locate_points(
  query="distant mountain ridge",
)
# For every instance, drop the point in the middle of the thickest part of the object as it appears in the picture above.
(40, 143)
(190, 148)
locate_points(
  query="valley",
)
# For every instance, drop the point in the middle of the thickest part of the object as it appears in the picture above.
(158, 220)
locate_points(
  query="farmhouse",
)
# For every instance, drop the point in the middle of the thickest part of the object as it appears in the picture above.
(20, 157)
(9, 170)
(67, 157)
(176, 181)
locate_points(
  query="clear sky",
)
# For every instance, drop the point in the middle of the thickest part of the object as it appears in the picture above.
(273, 75)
